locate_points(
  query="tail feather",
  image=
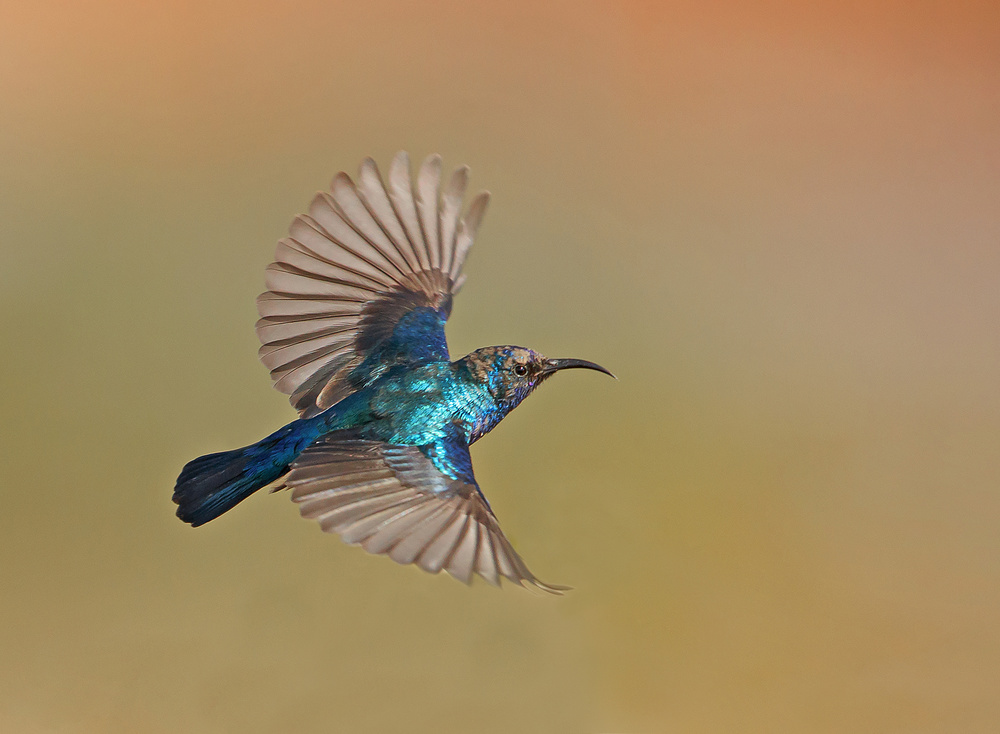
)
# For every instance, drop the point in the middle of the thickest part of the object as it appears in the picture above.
(221, 465)
(211, 485)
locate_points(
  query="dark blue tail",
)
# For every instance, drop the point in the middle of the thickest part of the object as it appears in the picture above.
(210, 485)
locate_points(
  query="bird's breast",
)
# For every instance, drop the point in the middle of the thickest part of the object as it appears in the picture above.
(425, 404)
(477, 412)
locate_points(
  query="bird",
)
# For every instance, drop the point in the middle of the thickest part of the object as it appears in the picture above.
(352, 328)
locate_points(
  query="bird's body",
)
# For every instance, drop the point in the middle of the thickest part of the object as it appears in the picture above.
(353, 328)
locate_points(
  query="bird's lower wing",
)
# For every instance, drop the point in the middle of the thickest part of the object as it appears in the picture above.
(393, 500)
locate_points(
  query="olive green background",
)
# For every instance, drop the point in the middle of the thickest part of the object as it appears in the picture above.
(780, 226)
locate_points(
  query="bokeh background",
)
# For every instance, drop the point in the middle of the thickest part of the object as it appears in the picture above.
(777, 222)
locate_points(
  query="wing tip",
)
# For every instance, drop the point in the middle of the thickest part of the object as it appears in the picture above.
(432, 162)
(400, 161)
(554, 589)
(341, 179)
(479, 202)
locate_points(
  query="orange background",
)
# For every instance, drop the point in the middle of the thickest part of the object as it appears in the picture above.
(778, 224)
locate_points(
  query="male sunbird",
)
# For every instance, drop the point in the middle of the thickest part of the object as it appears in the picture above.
(352, 328)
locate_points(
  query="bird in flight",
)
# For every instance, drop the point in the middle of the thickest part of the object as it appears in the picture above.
(352, 329)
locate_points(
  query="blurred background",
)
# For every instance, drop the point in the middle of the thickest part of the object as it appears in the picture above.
(778, 223)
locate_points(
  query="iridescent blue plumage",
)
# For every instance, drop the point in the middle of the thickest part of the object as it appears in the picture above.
(353, 329)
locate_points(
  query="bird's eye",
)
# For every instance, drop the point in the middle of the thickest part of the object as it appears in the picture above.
(520, 370)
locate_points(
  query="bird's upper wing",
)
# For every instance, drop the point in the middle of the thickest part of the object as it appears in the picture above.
(365, 280)
(417, 504)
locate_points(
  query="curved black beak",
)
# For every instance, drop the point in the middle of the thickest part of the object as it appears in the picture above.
(554, 365)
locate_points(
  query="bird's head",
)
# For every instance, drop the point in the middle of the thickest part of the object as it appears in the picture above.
(511, 373)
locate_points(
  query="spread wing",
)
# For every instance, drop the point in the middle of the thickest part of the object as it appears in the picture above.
(416, 504)
(365, 281)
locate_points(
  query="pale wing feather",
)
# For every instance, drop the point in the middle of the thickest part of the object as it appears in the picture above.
(439, 550)
(373, 193)
(275, 330)
(310, 234)
(451, 210)
(270, 305)
(463, 558)
(401, 194)
(467, 229)
(428, 185)
(354, 211)
(486, 562)
(325, 212)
